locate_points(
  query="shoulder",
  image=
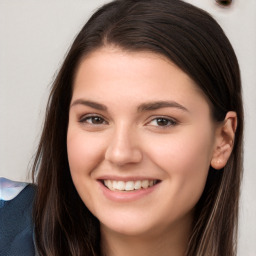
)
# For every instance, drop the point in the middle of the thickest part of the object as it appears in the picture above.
(16, 204)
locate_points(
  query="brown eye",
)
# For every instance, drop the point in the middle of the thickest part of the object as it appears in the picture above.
(224, 2)
(162, 122)
(97, 120)
(94, 120)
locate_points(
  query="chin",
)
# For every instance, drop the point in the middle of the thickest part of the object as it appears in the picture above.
(133, 225)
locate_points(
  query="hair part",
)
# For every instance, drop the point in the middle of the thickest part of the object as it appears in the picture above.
(192, 40)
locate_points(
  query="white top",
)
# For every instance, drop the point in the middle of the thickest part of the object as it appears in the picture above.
(10, 189)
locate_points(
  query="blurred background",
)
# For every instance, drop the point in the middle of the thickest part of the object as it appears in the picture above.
(34, 38)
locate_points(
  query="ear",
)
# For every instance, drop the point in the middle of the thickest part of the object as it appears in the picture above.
(225, 136)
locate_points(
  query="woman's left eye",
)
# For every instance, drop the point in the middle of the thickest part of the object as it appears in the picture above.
(162, 122)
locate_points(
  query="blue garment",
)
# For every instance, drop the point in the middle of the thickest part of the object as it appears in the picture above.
(16, 226)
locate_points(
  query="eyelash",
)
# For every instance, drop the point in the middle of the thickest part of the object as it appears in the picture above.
(167, 121)
(85, 119)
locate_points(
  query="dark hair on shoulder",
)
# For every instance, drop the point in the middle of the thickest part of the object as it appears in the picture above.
(191, 39)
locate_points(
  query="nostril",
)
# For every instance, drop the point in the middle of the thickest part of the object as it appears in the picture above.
(224, 2)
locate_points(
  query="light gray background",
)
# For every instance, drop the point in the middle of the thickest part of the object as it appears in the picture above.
(34, 38)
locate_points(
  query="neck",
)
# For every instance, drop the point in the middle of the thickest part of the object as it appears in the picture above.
(174, 242)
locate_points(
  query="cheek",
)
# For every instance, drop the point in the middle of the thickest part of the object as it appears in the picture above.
(84, 152)
(84, 155)
(185, 158)
(182, 151)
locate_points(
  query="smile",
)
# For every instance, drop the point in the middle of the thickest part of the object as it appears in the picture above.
(119, 185)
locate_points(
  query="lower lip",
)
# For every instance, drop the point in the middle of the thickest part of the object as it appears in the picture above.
(122, 196)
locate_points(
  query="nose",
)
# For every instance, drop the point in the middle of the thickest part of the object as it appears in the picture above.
(123, 147)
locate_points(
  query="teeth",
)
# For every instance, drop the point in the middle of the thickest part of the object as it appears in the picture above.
(109, 184)
(137, 184)
(129, 185)
(145, 183)
(120, 185)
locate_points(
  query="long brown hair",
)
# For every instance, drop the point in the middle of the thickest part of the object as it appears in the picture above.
(190, 38)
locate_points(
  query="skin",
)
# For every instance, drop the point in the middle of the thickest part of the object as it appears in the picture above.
(124, 140)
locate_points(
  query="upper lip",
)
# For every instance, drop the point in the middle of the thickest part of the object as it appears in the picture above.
(130, 178)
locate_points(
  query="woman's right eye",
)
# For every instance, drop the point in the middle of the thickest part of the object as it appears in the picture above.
(93, 120)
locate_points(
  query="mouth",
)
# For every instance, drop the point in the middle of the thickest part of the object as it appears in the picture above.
(128, 186)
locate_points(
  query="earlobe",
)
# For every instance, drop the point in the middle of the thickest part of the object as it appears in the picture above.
(224, 141)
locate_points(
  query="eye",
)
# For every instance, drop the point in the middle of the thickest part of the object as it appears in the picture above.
(93, 120)
(162, 122)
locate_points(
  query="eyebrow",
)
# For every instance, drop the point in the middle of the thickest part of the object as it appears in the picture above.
(150, 106)
(160, 104)
(89, 103)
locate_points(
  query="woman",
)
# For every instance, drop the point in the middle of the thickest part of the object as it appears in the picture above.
(141, 152)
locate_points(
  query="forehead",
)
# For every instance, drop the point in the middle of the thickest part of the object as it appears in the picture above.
(112, 74)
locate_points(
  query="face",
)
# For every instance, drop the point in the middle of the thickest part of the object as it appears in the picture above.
(140, 141)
